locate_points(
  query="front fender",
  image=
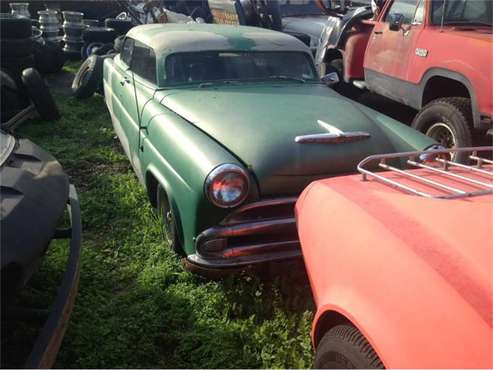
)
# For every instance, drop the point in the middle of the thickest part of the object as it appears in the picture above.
(179, 157)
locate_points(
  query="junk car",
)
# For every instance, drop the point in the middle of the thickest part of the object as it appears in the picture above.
(400, 262)
(225, 126)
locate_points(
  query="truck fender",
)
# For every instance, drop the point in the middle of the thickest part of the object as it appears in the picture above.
(452, 75)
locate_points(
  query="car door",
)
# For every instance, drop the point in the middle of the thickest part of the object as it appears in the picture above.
(122, 98)
(389, 52)
(145, 84)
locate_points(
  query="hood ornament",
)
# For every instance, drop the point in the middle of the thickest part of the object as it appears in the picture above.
(334, 136)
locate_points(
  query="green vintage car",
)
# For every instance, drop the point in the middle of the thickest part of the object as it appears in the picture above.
(225, 126)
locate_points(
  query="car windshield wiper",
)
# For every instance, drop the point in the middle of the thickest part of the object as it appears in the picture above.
(287, 78)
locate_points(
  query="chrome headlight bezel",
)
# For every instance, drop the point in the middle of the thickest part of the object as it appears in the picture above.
(220, 172)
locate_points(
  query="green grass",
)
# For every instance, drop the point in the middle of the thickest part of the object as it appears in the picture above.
(137, 307)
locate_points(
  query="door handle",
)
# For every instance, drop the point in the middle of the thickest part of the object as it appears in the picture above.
(378, 32)
(125, 80)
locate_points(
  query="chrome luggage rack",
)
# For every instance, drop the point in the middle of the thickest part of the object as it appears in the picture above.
(431, 169)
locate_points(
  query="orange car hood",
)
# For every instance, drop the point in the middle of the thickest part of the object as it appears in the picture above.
(381, 256)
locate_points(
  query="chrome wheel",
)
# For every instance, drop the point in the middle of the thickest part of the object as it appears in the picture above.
(443, 134)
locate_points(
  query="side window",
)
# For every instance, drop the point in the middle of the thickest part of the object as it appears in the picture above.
(419, 16)
(144, 62)
(127, 50)
(405, 7)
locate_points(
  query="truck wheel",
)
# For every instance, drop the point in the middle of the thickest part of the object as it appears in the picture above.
(169, 221)
(449, 122)
(344, 347)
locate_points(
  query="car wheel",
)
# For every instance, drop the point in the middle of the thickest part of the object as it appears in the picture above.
(40, 94)
(344, 347)
(448, 121)
(167, 214)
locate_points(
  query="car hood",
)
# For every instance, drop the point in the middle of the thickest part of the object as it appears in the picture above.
(259, 123)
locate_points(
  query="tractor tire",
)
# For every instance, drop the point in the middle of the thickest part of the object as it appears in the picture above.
(344, 347)
(40, 94)
(449, 122)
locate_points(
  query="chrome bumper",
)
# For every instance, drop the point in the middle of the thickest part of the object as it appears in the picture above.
(257, 232)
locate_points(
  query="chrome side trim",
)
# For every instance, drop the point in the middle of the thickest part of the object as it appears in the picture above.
(344, 137)
(257, 205)
(269, 226)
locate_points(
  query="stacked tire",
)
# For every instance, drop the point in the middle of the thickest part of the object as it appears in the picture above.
(16, 45)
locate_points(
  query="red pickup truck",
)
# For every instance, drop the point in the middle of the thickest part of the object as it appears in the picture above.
(432, 55)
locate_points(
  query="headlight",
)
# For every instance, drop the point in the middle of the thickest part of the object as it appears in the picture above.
(227, 185)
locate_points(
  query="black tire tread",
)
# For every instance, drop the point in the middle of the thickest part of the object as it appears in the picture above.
(352, 337)
(460, 106)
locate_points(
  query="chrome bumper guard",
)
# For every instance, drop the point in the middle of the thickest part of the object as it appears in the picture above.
(257, 232)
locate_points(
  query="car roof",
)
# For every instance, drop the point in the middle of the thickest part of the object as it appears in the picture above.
(168, 39)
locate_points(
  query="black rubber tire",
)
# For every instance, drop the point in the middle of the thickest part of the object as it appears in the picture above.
(117, 45)
(40, 94)
(15, 48)
(344, 347)
(11, 101)
(102, 50)
(170, 231)
(15, 66)
(48, 56)
(88, 77)
(15, 28)
(456, 114)
(99, 34)
(121, 26)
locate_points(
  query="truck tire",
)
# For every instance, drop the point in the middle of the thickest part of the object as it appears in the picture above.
(15, 28)
(48, 56)
(88, 77)
(99, 34)
(11, 101)
(40, 94)
(121, 26)
(449, 122)
(344, 347)
(165, 211)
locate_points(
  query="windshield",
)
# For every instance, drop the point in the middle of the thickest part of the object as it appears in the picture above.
(457, 12)
(198, 67)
